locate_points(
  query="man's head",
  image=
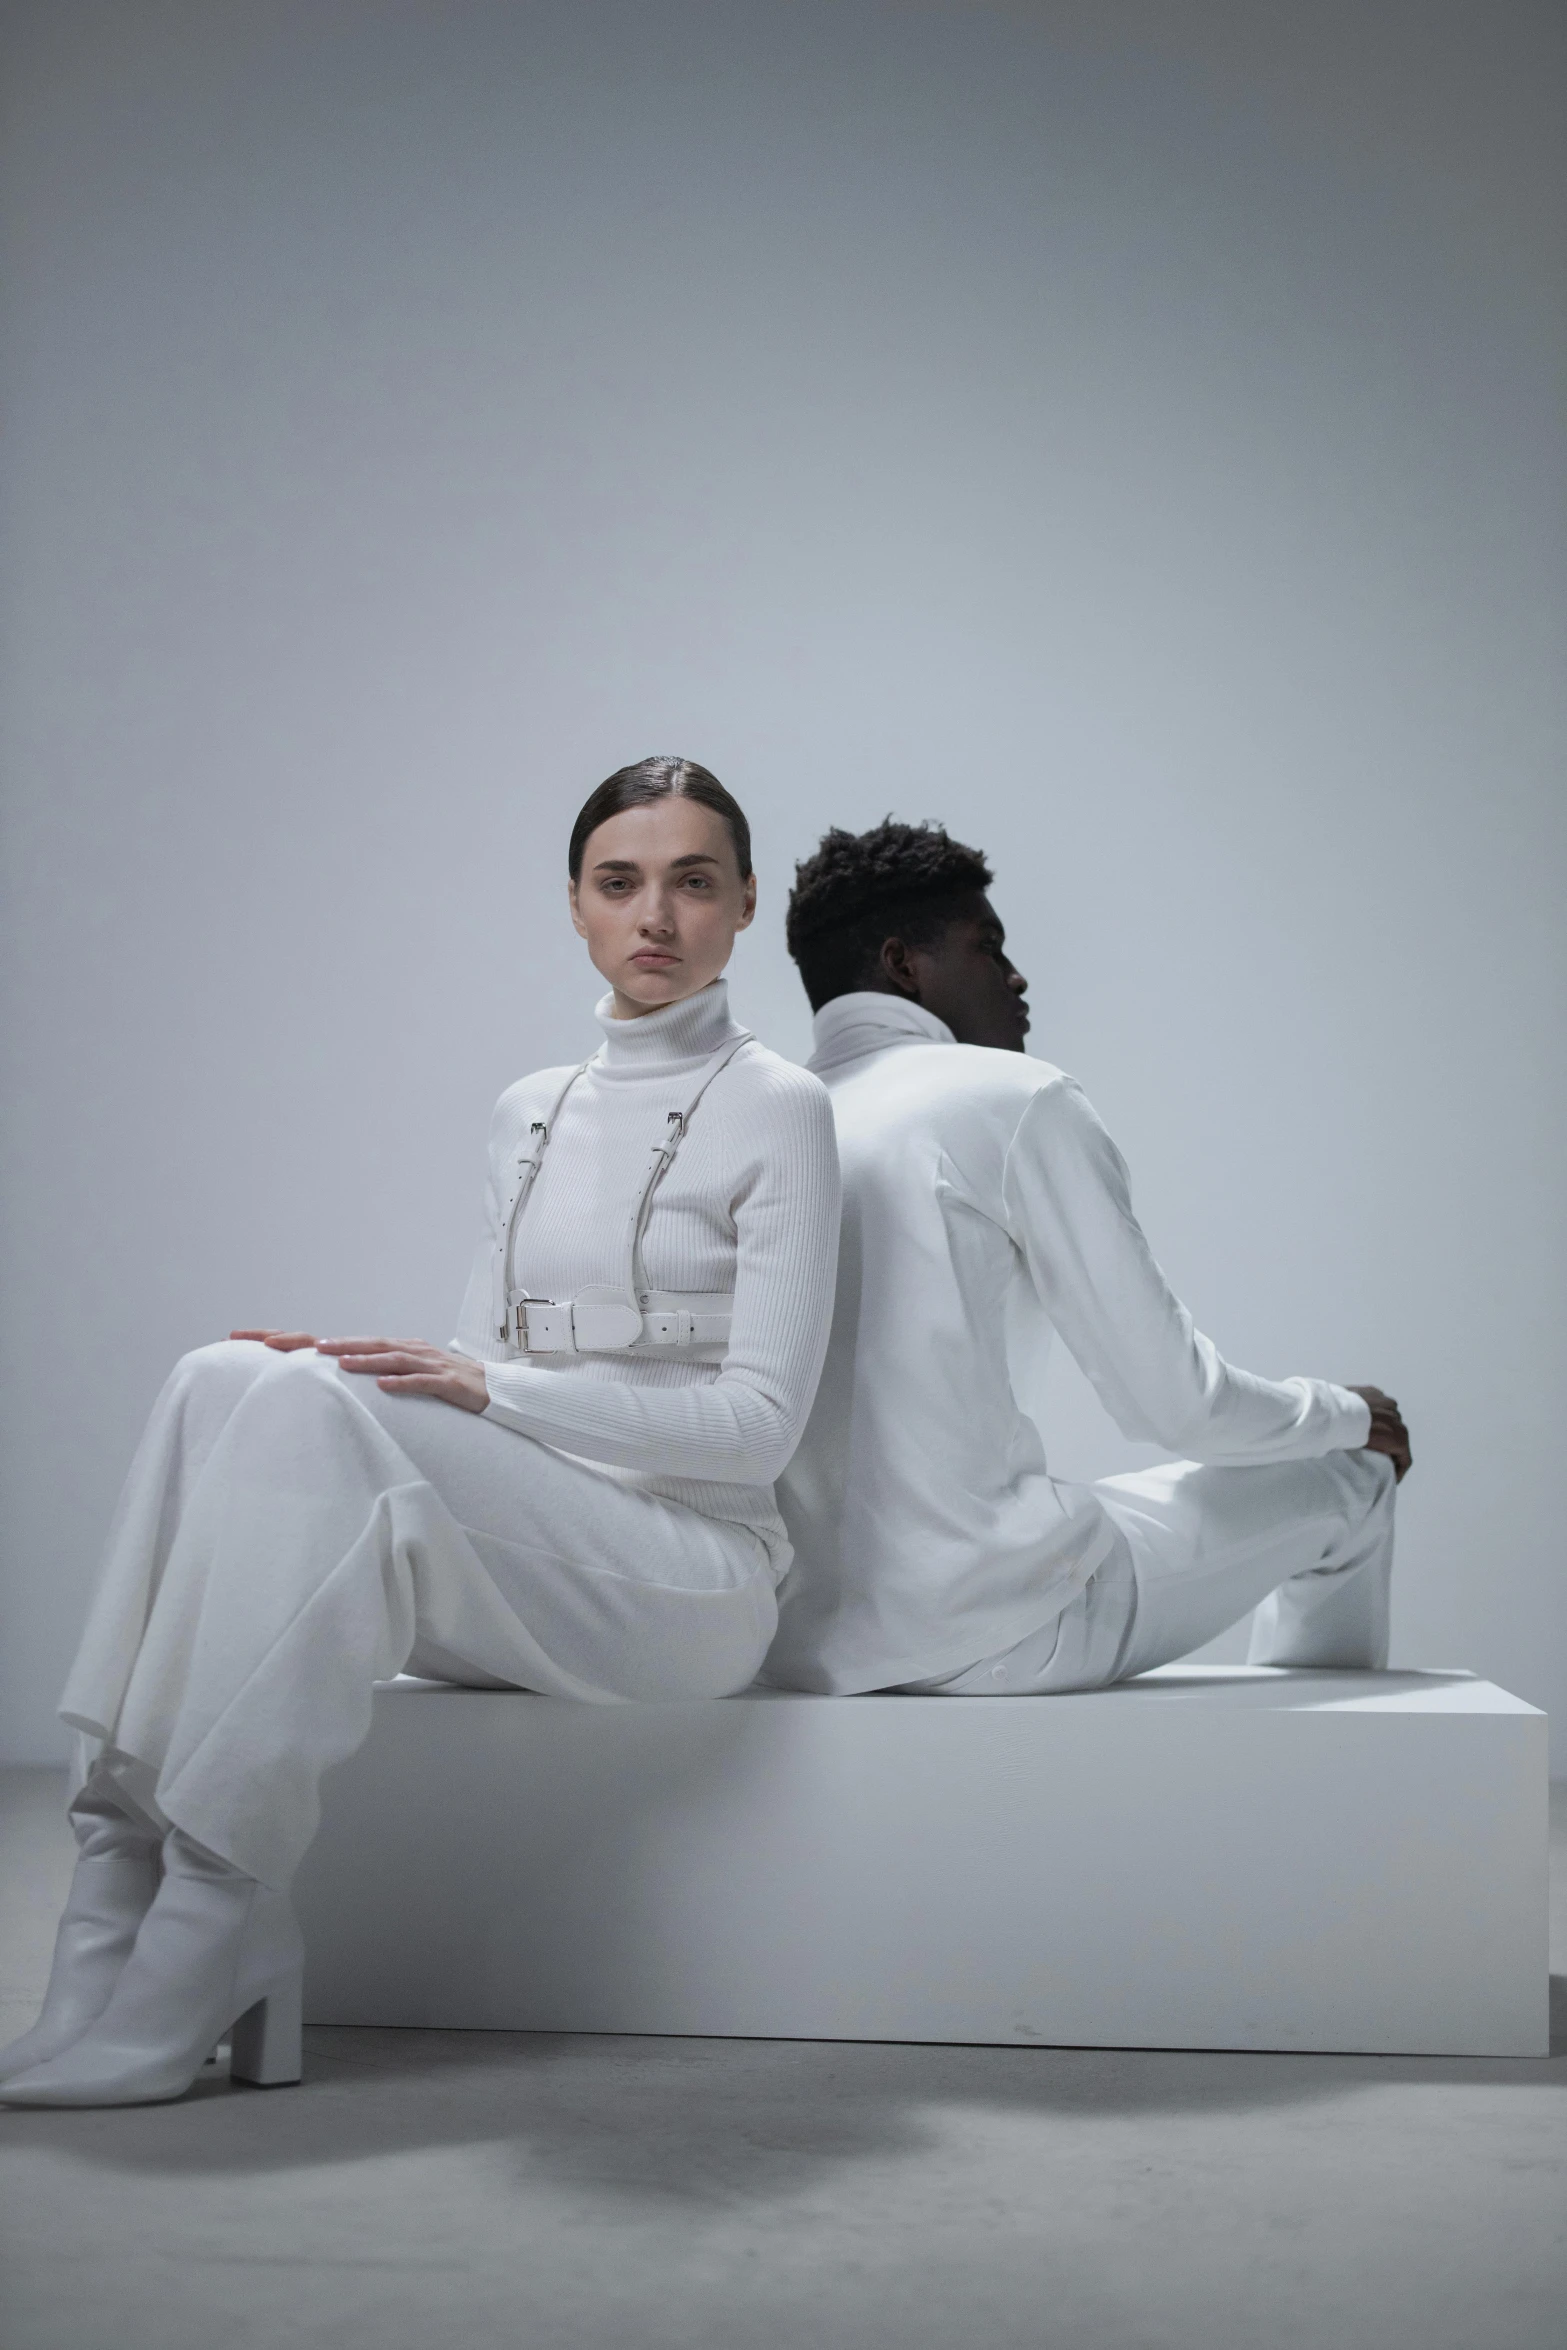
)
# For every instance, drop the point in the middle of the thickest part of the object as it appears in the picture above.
(902, 910)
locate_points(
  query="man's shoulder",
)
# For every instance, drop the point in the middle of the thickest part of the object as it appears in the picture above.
(936, 1082)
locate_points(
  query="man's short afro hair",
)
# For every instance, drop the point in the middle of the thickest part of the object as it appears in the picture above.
(861, 888)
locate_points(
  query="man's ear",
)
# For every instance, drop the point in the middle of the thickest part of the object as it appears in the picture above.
(899, 968)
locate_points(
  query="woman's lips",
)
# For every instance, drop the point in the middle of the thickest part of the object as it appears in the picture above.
(652, 960)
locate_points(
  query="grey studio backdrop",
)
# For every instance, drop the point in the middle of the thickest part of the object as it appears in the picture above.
(1126, 433)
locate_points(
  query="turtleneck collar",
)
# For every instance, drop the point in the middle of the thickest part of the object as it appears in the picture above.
(853, 1026)
(660, 1044)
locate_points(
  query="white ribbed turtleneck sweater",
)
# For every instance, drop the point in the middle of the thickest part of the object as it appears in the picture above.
(750, 1204)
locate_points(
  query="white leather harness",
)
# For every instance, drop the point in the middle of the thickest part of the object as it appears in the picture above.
(616, 1320)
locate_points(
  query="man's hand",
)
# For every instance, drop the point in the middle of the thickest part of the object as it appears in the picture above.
(403, 1366)
(1388, 1433)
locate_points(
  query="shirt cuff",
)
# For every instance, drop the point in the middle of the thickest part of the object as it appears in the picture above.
(507, 1414)
(1354, 1421)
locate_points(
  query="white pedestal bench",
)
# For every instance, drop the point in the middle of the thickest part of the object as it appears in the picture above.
(1206, 1858)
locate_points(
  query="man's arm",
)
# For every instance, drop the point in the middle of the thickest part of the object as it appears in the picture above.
(1068, 1201)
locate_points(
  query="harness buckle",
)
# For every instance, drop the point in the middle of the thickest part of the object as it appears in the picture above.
(538, 1326)
(547, 1326)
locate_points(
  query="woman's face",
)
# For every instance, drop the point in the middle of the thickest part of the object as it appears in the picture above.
(659, 901)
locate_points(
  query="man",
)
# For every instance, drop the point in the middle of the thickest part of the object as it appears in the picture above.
(984, 1207)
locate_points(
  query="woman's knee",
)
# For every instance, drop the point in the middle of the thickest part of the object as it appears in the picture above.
(225, 1358)
(303, 1399)
(214, 1378)
(214, 1384)
(201, 1395)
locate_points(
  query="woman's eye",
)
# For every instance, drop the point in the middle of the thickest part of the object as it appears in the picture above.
(698, 881)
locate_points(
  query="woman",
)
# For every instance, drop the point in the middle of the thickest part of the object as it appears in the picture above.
(575, 1497)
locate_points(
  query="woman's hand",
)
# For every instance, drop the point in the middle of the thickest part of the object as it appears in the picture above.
(402, 1366)
(411, 1366)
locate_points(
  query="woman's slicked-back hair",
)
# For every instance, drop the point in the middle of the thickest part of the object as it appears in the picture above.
(658, 779)
(903, 881)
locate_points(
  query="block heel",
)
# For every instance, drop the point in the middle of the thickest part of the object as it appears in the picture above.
(214, 1946)
(266, 2044)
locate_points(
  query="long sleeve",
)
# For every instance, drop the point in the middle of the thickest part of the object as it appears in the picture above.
(741, 1426)
(1069, 1209)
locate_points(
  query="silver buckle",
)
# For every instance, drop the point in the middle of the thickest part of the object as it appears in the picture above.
(542, 1327)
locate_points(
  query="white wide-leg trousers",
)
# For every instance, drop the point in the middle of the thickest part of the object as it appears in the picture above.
(289, 1535)
(1308, 1545)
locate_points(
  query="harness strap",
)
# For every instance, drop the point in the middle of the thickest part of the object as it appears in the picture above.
(614, 1320)
(663, 1158)
(523, 1180)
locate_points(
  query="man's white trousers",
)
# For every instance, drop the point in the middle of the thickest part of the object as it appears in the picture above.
(1308, 1545)
(289, 1535)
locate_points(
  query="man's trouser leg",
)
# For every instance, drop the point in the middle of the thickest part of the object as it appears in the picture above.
(1307, 1544)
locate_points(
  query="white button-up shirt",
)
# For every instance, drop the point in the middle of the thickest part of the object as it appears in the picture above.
(984, 1206)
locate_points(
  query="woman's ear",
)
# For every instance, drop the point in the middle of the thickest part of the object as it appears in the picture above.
(577, 923)
(749, 915)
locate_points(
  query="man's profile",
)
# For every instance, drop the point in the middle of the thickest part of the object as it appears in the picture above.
(986, 1209)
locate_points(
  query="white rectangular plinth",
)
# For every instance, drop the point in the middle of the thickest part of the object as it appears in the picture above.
(1205, 1858)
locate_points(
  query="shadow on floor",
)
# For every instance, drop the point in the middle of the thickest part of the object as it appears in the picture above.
(707, 2123)
(700, 2122)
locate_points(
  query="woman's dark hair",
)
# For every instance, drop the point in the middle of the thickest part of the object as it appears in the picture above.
(658, 779)
(903, 881)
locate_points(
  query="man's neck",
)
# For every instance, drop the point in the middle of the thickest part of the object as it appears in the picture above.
(872, 1020)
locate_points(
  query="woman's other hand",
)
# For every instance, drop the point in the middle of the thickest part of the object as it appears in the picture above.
(410, 1366)
(285, 1342)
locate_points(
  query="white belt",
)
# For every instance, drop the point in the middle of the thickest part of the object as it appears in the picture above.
(609, 1325)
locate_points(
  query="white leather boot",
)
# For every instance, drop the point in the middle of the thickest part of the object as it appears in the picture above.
(217, 1953)
(111, 1892)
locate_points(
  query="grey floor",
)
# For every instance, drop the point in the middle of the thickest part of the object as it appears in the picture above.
(430, 2189)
